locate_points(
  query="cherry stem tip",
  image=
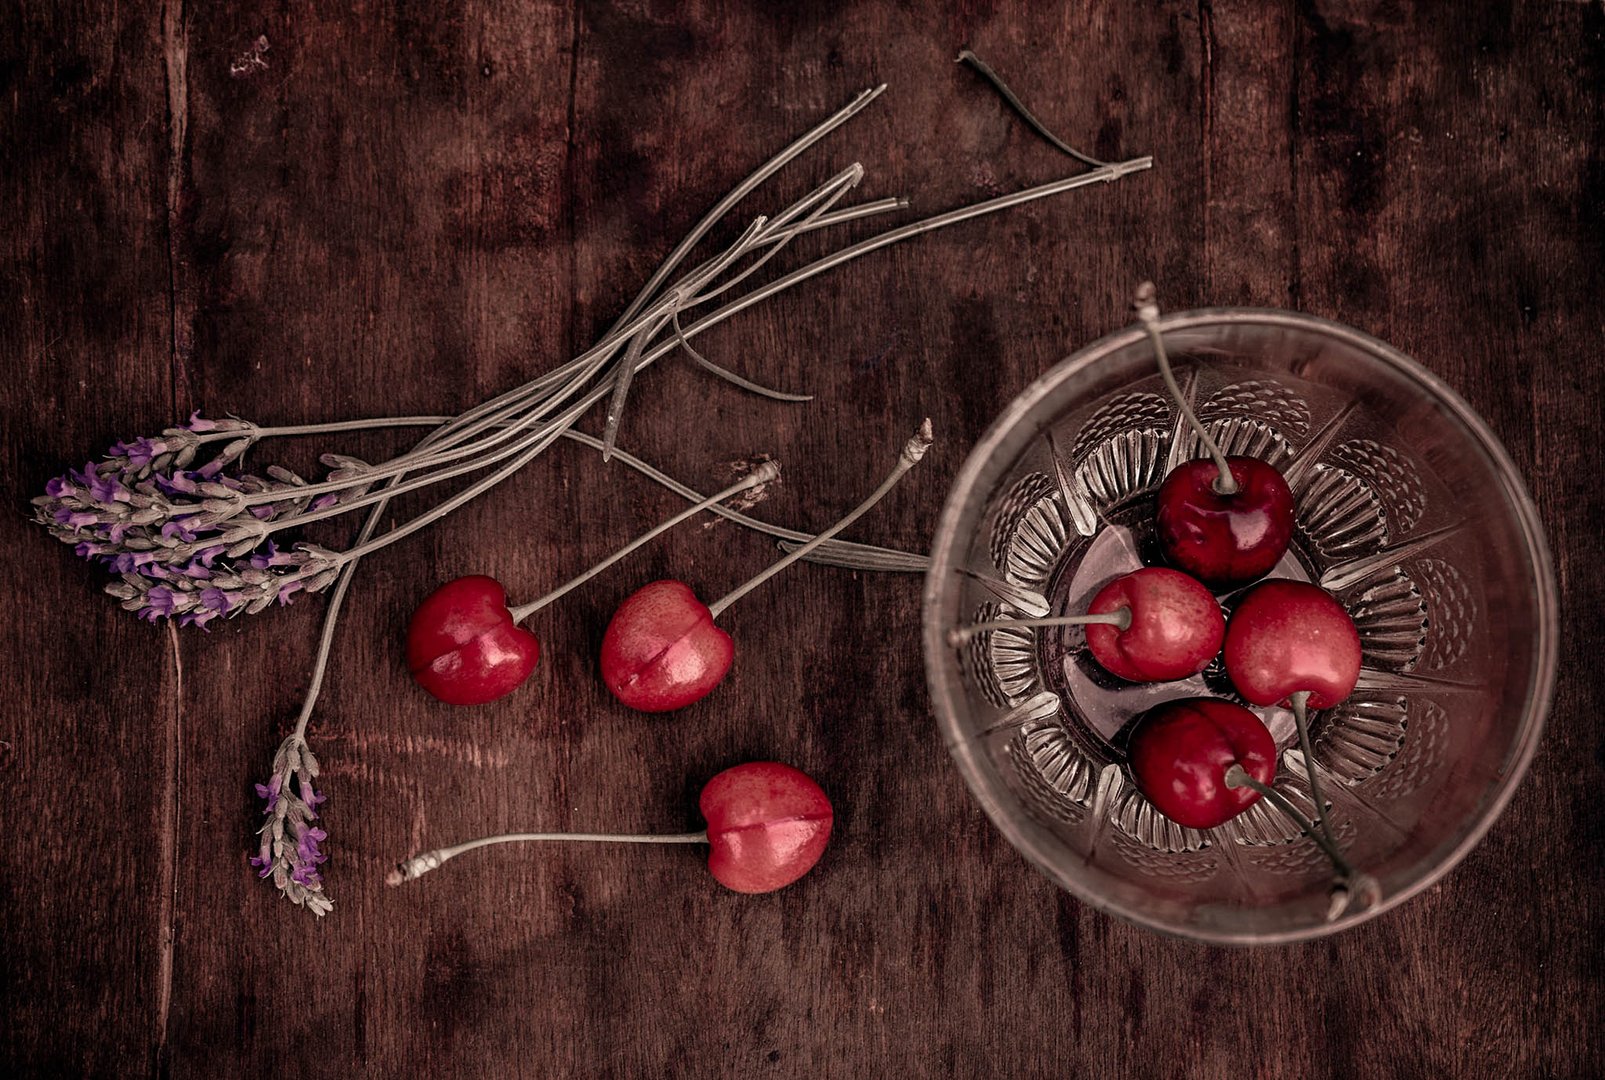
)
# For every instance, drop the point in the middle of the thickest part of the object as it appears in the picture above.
(911, 454)
(1120, 619)
(1145, 302)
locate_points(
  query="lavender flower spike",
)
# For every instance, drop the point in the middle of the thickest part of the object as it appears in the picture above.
(289, 852)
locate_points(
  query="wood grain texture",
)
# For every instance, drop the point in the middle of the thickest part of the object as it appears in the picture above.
(407, 207)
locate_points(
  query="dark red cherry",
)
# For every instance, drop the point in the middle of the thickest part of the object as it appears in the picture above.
(1285, 637)
(1175, 631)
(1225, 540)
(463, 646)
(662, 650)
(1179, 753)
(767, 825)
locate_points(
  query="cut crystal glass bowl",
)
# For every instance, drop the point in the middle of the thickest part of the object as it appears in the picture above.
(1408, 510)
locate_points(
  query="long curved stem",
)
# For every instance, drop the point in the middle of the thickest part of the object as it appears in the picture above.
(1120, 618)
(967, 57)
(1148, 314)
(761, 475)
(419, 865)
(913, 451)
(1238, 777)
(1301, 720)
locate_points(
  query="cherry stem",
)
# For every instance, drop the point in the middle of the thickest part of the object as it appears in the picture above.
(1301, 720)
(764, 473)
(419, 865)
(1238, 777)
(913, 450)
(1120, 618)
(1148, 314)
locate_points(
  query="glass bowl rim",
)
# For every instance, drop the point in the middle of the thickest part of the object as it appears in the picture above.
(940, 579)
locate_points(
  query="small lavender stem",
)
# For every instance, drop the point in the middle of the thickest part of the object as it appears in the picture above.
(913, 451)
(1148, 315)
(761, 475)
(1120, 618)
(419, 865)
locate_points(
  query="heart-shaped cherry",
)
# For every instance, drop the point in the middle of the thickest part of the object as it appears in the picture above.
(662, 651)
(1289, 638)
(1179, 754)
(1151, 625)
(768, 825)
(1226, 522)
(464, 644)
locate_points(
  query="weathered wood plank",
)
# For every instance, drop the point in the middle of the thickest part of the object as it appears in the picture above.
(89, 723)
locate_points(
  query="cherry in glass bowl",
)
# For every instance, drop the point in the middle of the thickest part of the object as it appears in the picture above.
(1407, 510)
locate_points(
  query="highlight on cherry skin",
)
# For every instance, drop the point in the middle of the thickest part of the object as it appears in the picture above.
(1151, 625)
(464, 642)
(1225, 520)
(662, 650)
(768, 825)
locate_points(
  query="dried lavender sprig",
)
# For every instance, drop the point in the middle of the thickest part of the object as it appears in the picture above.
(288, 851)
(219, 518)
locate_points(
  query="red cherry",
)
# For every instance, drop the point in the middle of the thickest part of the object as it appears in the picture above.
(1179, 753)
(662, 651)
(767, 825)
(1285, 637)
(1175, 630)
(463, 646)
(1225, 540)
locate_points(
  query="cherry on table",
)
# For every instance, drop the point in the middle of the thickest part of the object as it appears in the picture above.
(1151, 625)
(464, 644)
(1227, 520)
(768, 825)
(1179, 754)
(662, 651)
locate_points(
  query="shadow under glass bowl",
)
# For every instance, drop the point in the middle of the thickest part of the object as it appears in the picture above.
(1408, 510)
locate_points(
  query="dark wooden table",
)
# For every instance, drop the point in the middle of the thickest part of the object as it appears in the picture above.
(294, 212)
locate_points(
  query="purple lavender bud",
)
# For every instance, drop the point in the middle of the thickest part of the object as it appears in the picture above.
(161, 600)
(207, 555)
(210, 469)
(270, 792)
(215, 599)
(307, 846)
(180, 483)
(306, 876)
(288, 590)
(143, 450)
(197, 571)
(78, 519)
(176, 528)
(196, 423)
(198, 617)
(108, 489)
(265, 862)
(87, 549)
(262, 513)
(117, 531)
(58, 486)
(325, 500)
